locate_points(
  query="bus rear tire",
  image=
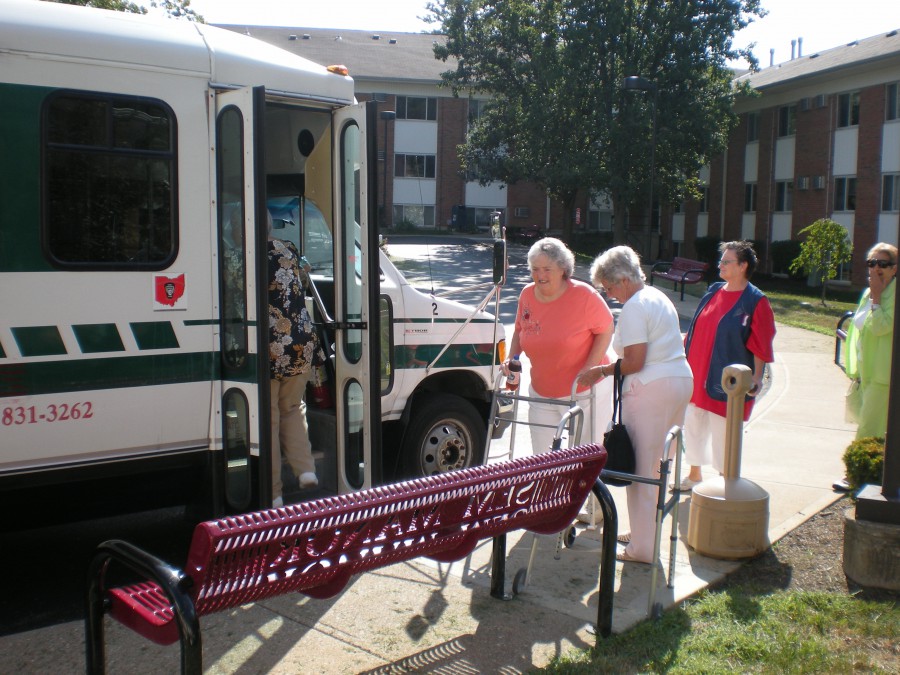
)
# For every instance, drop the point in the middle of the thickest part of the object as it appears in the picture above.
(445, 433)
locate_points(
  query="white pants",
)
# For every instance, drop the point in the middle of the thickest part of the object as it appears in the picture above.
(548, 415)
(704, 438)
(649, 411)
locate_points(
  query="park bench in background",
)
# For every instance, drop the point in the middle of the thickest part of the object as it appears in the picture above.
(315, 547)
(680, 271)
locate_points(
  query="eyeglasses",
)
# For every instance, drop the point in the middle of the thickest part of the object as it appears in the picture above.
(726, 262)
(883, 264)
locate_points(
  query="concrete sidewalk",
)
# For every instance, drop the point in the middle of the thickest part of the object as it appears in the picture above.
(440, 618)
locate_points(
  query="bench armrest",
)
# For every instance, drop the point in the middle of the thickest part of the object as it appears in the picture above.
(661, 266)
(173, 582)
(700, 270)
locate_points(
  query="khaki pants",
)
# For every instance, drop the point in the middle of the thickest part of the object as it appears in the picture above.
(290, 432)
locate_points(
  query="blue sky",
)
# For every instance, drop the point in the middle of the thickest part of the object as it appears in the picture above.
(821, 23)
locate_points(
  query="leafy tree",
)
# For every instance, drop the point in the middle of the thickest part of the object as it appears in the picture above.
(174, 8)
(826, 246)
(558, 114)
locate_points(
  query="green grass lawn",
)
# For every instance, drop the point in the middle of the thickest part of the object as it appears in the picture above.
(734, 631)
(796, 304)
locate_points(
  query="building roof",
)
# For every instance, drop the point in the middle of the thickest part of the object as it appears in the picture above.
(373, 56)
(854, 54)
(369, 55)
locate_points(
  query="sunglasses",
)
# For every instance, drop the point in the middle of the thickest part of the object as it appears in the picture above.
(883, 264)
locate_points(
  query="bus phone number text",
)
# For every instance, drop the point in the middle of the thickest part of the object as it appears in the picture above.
(62, 412)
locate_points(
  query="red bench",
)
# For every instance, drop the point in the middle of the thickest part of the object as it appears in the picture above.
(680, 271)
(315, 547)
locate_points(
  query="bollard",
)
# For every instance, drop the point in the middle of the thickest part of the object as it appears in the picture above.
(729, 516)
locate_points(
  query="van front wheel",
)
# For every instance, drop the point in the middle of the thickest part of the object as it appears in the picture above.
(445, 433)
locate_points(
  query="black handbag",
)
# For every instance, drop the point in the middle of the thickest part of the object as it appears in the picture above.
(616, 441)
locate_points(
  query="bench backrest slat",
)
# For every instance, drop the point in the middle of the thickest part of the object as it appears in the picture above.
(315, 547)
(688, 264)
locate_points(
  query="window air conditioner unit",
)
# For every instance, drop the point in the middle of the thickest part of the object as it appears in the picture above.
(522, 212)
(803, 183)
(820, 101)
(804, 104)
(819, 182)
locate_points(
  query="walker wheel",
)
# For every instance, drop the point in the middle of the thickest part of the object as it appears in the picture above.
(569, 536)
(519, 581)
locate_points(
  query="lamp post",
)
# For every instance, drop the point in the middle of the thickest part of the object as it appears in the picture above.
(386, 116)
(637, 83)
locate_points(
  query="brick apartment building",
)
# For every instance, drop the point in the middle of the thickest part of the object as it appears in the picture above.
(821, 139)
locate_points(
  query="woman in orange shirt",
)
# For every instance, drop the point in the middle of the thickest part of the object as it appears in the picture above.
(564, 328)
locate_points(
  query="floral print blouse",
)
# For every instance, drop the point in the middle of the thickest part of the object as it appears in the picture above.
(293, 344)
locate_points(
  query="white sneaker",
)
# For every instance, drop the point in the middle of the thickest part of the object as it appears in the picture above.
(308, 480)
(277, 503)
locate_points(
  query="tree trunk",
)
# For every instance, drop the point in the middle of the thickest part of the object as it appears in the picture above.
(619, 214)
(568, 201)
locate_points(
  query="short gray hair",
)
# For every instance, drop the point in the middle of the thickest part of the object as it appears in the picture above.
(617, 264)
(557, 251)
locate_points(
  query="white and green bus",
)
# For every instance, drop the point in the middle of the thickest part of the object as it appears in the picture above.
(137, 156)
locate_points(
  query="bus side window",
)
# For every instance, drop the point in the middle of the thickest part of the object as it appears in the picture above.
(110, 166)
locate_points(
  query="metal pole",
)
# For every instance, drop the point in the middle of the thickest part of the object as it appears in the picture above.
(637, 83)
(650, 228)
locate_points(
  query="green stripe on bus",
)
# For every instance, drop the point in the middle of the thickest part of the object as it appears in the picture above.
(98, 337)
(154, 335)
(39, 341)
(121, 372)
(436, 319)
(211, 322)
(456, 356)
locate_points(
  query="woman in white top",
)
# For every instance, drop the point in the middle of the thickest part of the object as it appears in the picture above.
(657, 384)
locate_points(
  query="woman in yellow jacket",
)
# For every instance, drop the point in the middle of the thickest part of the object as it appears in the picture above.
(867, 349)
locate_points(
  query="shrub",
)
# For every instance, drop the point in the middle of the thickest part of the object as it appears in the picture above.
(864, 459)
(708, 251)
(783, 253)
(405, 225)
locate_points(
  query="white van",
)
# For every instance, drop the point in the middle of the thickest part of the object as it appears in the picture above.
(130, 361)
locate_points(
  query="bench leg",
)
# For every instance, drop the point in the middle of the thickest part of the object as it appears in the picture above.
(607, 558)
(498, 568)
(94, 641)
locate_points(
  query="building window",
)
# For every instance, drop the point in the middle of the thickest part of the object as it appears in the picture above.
(784, 195)
(787, 120)
(752, 127)
(845, 193)
(893, 101)
(109, 181)
(415, 214)
(703, 206)
(416, 108)
(414, 166)
(890, 193)
(848, 110)
(476, 108)
(749, 197)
